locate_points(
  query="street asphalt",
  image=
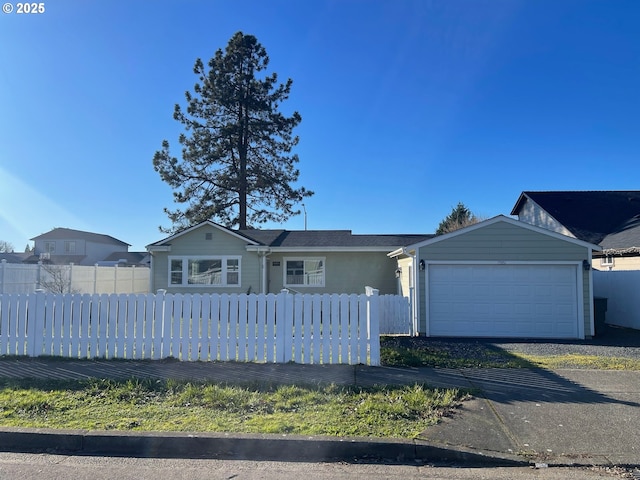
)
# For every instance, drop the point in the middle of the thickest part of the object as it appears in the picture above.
(518, 416)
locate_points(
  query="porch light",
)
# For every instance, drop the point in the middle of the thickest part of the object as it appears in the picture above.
(398, 272)
(421, 264)
(585, 265)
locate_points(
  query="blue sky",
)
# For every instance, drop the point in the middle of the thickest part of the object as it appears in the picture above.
(408, 107)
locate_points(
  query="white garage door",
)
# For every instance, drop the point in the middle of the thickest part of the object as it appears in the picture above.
(529, 301)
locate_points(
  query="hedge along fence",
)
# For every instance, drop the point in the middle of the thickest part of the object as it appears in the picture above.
(228, 327)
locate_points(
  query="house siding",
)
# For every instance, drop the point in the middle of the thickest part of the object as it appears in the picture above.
(503, 242)
(94, 252)
(195, 243)
(619, 264)
(533, 214)
(345, 272)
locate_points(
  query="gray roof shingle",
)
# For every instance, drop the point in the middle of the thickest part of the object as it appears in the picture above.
(70, 234)
(330, 238)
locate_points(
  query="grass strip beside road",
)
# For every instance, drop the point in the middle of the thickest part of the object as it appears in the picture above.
(418, 352)
(149, 405)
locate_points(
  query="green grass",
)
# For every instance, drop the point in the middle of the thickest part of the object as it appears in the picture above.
(476, 357)
(401, 412)
(408, 352)
(581, 361)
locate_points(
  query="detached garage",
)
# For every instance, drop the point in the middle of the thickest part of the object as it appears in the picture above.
(502, 278)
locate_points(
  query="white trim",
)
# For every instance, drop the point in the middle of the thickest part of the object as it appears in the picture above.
(502, 262)
(185, 271)
(511, 221)
(158, 248)
(329, 249)
(579, 284)
(605, 263)
(304, 259)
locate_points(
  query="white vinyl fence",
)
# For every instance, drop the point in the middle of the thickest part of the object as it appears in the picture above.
(622, 291)
(21, 278)
(208, 327)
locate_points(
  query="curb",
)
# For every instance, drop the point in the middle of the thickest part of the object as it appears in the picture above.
(262, 447)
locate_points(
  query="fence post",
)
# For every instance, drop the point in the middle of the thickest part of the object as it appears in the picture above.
(373, 325)
(39, 276)
(71, 277)
(35, 313)
(283, 344)
(3, 267)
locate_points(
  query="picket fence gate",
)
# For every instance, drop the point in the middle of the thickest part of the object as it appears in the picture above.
(279, 328)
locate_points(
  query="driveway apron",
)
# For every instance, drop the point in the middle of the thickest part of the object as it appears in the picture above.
(564, 416)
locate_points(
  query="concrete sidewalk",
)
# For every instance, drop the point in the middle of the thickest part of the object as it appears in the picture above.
(564, 417)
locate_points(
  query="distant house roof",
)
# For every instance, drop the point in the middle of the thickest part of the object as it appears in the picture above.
(14, 257)
(70, 234)
(311, 239)
(56, 259)
(610, 219)
(131, 258)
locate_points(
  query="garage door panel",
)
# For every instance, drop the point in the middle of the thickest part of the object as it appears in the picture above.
(503, 300)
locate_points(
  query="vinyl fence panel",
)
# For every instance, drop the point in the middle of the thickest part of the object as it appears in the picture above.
(621, 289)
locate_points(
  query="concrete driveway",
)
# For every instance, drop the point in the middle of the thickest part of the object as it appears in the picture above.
(561, 417)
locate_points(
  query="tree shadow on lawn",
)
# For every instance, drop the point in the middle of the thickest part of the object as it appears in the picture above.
(484, 365)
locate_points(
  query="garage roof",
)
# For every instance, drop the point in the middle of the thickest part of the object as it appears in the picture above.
(491, 221)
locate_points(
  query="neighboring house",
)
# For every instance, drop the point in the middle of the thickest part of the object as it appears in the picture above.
(211, 258)
(610, 219)
(14, 257)
(500, 278)
(62, 246)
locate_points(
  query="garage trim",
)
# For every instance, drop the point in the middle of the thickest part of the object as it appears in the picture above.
(578, 272)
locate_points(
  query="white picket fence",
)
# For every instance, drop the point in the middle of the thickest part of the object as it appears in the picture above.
(308, 329)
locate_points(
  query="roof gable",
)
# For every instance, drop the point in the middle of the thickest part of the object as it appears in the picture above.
(234, 233)
(589, 215)
(511, 221)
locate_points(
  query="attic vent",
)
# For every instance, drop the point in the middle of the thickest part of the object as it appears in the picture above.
(208, 236)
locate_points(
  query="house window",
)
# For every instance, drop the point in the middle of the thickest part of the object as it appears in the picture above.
(304, 272)
(70, 247)
(606, 261)
(204, 271)
(50, 247)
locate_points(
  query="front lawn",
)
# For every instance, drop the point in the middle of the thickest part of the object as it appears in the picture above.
(401, 412)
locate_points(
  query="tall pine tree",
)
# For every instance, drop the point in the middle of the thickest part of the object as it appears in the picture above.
(237, 163)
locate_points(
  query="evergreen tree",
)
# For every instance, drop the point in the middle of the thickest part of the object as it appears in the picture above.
(237, 163)
(459, 217)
